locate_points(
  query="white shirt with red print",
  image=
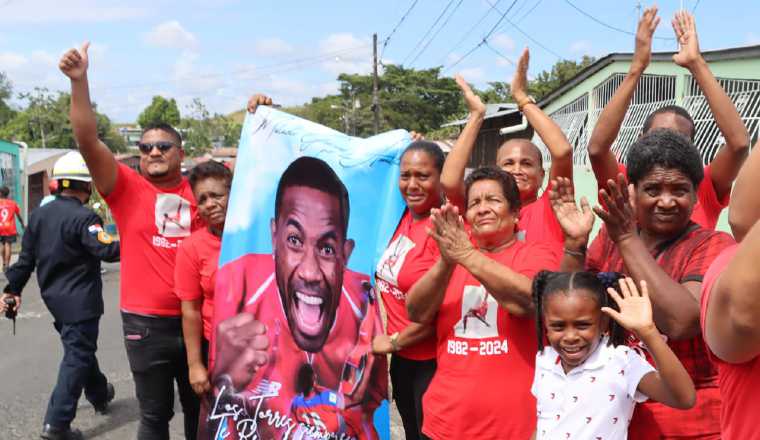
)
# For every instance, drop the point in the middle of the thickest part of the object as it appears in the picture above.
(594, 401)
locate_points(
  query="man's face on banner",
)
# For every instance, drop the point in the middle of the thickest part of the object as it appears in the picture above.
(310, 254)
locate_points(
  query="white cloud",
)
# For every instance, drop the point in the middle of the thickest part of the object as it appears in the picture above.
(581, 47)
(193, 79)
(503, 42)
(172, 35)
(75, 11)
(347, 54)
(270, 47)
(12, 61)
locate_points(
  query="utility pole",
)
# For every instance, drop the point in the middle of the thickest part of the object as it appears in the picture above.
(375, 100)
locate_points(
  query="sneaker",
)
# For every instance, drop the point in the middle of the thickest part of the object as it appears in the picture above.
(103, 407)
(50, 432)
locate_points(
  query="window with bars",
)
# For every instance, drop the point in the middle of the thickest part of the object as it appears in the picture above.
(572, 119)
(745, 95)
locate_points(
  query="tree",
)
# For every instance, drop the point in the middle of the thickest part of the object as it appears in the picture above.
(44, 123)
(202, 130)
(560, 73)
(6, 90)
(160, 111)
(496, 93)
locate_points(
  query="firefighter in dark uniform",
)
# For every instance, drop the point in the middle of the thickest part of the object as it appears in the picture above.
(66, 242)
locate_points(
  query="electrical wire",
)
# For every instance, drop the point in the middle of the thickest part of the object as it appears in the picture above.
(416, 46)
(519, 20)
(453, 11)
(469, 32)
(485, 38)
(609, 26)
(395, 28)
(524, 34)
(499, 54)
(694, 9)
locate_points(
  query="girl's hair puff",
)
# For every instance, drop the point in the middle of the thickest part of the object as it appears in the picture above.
(547, 283)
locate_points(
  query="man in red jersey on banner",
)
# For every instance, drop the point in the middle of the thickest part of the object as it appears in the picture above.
(298, 306)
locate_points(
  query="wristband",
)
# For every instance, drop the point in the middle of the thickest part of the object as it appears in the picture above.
(525, 101)
(394, 342)
(580, 253)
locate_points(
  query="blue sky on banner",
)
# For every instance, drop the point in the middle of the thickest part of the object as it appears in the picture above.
(223, 50)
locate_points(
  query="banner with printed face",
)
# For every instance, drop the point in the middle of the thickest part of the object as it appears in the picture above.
(310, 213)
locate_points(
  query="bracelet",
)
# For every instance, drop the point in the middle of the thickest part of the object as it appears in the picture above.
(394, 342)
(525, 101)
(579, 253)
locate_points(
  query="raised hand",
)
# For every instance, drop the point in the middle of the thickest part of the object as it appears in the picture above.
(519, 87)
(474, 104)
(257, 100)
(241, 348)
(643, 52)
(576, 223)
(416, 136)
(450, 235)
(635, 307)
(74, 62)
(686, 34)
(620, 215)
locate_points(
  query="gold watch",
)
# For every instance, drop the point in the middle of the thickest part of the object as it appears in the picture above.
(525, 101)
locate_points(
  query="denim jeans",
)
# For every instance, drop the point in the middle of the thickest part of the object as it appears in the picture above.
(157, 358)
(410, 379)
(79, 370)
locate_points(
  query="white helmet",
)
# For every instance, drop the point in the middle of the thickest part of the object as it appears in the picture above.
(71, 166)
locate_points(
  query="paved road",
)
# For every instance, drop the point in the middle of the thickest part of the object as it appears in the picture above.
(29, 366)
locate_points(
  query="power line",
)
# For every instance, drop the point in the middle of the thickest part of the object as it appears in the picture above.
(525, 34)
(529, 11)
(485, 38)
(448, 5)
(694, 9)
(395, 28)
(609, 26)
(264, 70)
(469, 32)
(499, 54)
(453, 11)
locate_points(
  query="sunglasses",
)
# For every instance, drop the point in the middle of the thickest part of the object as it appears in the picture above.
(163, 146)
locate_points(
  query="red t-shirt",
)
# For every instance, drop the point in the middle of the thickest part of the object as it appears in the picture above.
(708, 207)
(538, 224)
(344, 365)
(152, 222)
(195, 272)
(8, 211)
(407, 258)
(486, 357)
(685, 258)
(738, 382)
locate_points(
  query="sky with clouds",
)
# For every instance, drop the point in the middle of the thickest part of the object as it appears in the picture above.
(223, 50)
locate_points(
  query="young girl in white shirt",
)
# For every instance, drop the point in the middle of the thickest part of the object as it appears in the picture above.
(587, 380)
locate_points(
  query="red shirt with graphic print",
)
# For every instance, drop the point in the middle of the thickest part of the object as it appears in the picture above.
(152, 222)
(486, 357)
(410, 254)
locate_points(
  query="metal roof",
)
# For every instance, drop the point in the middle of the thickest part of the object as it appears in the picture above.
(492, 111)
(733, 53)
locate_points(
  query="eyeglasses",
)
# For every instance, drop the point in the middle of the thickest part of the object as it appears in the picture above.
(162, 146)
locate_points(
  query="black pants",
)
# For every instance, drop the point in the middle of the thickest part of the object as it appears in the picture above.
(157, 358)
(79, 370)
(410, 380)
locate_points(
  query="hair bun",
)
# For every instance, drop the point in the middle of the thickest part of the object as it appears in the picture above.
(609, 279)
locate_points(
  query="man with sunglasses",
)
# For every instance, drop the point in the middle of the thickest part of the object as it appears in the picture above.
(154, 210)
